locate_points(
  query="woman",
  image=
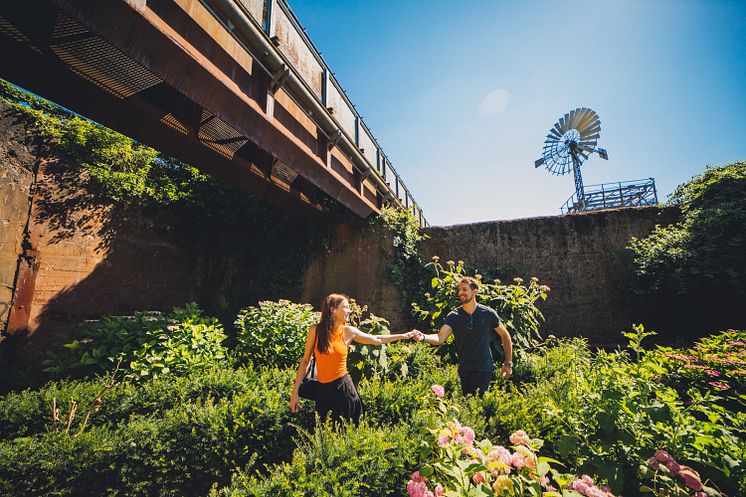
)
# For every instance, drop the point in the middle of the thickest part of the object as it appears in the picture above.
(329, 341)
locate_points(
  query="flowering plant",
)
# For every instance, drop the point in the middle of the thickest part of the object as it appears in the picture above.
(673, 479)
(456, 464)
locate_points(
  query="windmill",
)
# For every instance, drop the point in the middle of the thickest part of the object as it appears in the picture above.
(569, 143)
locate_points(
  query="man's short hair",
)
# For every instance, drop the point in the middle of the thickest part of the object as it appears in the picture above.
(473, 282)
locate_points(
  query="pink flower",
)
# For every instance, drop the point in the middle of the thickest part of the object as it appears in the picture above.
(587, 480)
(691, 477)
(438, 390)
(478, 478)
(663, 456)
(520, 438)
(439, 491)
(416, 477)
(417, 488)
(673, 467)
(544, 481)
(712, 372)
(468, 434)
(580, 486)
(518, 460)
(443, 440)
(500, 454)
(720, 385)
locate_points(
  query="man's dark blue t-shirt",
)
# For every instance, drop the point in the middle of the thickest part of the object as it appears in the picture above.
(473, 336)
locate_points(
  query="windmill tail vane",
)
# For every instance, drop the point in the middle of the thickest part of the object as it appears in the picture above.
(569, 143)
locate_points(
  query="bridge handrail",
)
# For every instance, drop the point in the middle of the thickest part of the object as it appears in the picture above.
(261, 31)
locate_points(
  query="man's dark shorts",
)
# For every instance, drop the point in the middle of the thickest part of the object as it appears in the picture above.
(475, 381)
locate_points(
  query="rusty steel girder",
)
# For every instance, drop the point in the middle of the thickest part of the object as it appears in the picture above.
(152, 73)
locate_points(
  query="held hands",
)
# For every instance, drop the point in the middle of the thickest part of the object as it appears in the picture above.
(418, 336)
(506, 371)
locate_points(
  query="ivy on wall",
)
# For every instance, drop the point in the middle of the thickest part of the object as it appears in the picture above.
(250, 250)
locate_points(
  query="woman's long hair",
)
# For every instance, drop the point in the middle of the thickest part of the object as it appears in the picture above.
(324, 328)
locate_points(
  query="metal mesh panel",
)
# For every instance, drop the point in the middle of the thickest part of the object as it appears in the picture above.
(104, 66)
(220, 137)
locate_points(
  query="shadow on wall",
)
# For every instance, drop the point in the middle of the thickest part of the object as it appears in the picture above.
(225, 251)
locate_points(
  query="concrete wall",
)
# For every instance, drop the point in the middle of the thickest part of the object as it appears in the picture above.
(582, 258)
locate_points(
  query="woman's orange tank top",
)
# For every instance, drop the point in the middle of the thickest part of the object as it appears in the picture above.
(333, 365)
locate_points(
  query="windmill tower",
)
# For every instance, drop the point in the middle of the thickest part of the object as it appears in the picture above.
(570, 142)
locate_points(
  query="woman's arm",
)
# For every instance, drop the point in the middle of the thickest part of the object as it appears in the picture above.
(358, 336)
(303, 367)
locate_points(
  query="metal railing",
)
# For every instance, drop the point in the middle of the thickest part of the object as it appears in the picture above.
(634, 193)
(313, 87)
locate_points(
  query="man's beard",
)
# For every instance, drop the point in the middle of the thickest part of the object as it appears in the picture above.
(468, 299)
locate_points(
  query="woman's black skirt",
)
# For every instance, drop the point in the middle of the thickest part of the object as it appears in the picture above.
(339, 399)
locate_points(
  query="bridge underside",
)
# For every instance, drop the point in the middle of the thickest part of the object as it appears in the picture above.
(154, 73)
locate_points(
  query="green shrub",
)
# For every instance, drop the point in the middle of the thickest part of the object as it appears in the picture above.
(168, 436)
(274, 333)
(149, 344)
(344, 462)
(515, 304)
(700, 262)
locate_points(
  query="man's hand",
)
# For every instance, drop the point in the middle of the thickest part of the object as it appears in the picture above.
(506, 371)
(418, 335)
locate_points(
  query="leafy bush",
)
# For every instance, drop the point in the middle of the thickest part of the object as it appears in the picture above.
(149, 344)
(699, 262)
(168, 436)
(339, 461)
(274, 333)
(515, 304)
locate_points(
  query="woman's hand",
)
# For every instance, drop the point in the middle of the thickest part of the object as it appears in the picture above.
(294, 400)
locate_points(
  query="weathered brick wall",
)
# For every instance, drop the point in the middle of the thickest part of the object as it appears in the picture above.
(581, 257)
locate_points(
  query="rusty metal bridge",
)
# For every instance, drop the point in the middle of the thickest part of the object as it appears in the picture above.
(233, 87)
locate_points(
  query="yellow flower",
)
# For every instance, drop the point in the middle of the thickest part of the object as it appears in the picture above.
(503, 485)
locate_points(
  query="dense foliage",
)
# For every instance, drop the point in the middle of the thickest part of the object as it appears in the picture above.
(514, 303)
(148, 344)
(273, 333)
(699, 262)
(607, 415)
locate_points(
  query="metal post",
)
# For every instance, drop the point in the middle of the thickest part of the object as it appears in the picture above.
(578, 180)
(268, 21)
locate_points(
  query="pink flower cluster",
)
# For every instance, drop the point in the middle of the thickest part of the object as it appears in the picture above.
(455, 432)
(416, 487)
(438, 390)
(664, 459)
(721, 385)
(585, 486)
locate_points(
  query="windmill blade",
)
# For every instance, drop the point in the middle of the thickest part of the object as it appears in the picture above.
(539, 162)
(590, 120)
(590, 126)
(557, 129)
(551, 139)
(571, 122)
(587, 138)
(554, 133)
(584, 155)
(586, 134)
(603, 153)
(579, 116)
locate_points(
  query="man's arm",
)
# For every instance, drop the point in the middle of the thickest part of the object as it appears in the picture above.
(507, 368)
(434, 338)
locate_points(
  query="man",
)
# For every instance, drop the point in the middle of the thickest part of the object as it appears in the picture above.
(473, 325)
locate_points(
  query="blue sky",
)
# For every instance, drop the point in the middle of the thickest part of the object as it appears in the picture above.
(460, 95)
